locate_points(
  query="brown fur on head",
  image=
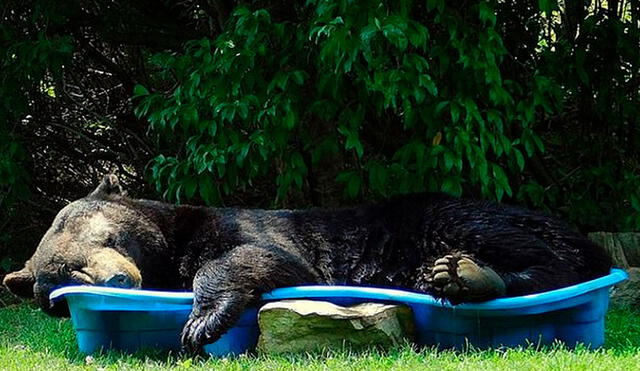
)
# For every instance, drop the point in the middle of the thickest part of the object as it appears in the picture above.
(96, 240)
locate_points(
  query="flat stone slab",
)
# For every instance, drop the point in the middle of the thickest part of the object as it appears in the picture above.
(290, 326)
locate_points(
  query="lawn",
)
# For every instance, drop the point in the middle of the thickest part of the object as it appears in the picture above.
(31, 340)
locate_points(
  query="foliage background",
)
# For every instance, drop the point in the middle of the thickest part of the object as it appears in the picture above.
(319, 103)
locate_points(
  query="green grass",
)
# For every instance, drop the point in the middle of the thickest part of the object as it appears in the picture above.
(31, 340)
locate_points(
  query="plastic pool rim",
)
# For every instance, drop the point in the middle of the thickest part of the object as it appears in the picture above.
(359, 292)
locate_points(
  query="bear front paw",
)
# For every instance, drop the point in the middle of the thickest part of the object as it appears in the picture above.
(197, 332)
(458, 278)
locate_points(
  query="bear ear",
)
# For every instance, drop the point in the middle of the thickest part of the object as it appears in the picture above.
(20, 283)
(110, 185)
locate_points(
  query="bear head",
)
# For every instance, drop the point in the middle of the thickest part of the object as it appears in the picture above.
(97, 240)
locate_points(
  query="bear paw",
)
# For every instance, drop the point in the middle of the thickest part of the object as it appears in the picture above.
(201, 329)
(458, 278)
(194, 335)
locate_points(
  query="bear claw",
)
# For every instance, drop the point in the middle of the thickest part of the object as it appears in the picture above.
(441, 277)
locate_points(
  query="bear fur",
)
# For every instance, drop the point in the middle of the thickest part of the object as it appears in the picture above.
(456, 249)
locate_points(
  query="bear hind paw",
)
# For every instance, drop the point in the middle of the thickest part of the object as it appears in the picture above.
(458, 278)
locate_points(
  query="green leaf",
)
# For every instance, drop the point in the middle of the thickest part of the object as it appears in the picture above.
(395, 36)
(449, 160)
(426, 81)
(208, 192)
(243, 110)
(353, 187)
(435, 4)
(452, 186)
(441, 106)
(190, 187)
(367, 33)
(455, 112)
(502, 183)
(139, 91)
(289, 119)
(635, 202)
(547, 6)
(487, 13)
(418, 34)
(353, 182)
(298, 163)
(244, 150)
(298, 77)
(190, 115)
(352, 140)
(377, 177)
(538, 142)
(499, 192)
(519, 158)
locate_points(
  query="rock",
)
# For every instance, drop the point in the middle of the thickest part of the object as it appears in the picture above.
(307, 325)
(624, 248)
(627, 294)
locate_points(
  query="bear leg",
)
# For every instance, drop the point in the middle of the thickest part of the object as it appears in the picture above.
(459, 277)
(223, 288)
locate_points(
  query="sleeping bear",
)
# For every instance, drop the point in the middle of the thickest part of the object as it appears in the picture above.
(455, 249)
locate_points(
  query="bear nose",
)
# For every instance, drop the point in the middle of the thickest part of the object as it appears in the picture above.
(119, 280)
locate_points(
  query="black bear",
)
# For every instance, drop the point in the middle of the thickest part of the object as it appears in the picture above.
(455, 249)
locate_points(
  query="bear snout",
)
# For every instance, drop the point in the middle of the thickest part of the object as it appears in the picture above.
(108, 267)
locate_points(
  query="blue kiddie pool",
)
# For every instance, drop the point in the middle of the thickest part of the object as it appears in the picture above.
(132, 319)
